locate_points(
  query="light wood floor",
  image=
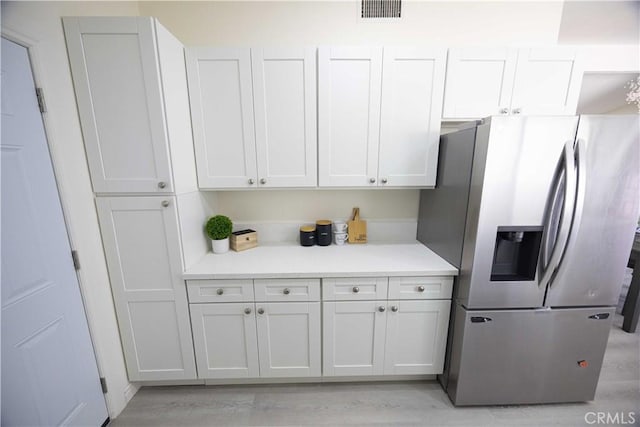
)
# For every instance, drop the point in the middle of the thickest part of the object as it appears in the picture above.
(393, 404)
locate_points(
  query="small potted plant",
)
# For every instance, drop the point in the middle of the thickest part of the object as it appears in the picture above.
(218, 229)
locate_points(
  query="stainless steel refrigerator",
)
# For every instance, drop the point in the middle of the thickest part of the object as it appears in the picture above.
(538, 214)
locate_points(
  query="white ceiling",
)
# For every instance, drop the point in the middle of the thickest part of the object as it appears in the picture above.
(603, 93)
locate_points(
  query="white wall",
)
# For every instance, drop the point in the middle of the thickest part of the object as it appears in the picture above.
(600, 22)
(39, 24)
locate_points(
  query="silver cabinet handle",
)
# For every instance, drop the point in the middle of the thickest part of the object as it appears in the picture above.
(516, 110)
(372, 180)
(420, 288)
(504, 111)
(286, 291)
(355, 289)
(263, 181)
(220, 291)
(394, 308)
(382, 308)
(247, 310)
(261, 311)
(165, 203)
(384, 180)
(162, 184)
(251, 181)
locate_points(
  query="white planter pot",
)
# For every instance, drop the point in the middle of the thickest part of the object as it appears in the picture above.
(220, 246)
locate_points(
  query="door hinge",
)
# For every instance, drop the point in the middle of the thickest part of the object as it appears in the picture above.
(40, 97)
(76, 259)
(103, 385)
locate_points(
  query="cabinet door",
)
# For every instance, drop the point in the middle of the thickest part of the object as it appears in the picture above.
(142, 247)
(353, 338)
(221, 98)
(548, 81)
(479, 82)
(412, 90)
(289, 339)
(284, 97)
(115, 71)
(416, 337)
(349, 85)
(224, 337)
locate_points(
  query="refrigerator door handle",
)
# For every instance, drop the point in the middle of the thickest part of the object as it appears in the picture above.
(555, 240)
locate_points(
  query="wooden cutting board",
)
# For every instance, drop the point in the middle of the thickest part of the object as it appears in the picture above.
(357, 228)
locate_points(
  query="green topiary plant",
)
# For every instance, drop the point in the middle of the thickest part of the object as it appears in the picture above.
(218, 227)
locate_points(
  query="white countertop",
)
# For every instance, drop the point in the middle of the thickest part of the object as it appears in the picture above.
(294, 261)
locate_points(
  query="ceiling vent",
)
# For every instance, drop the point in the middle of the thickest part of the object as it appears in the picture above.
(381, 8)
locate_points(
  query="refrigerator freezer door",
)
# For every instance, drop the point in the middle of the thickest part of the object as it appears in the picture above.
(514, 166)
(608, 159)
(527, 356)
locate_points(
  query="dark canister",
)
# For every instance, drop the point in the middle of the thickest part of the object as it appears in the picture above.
(307, 235)
(323, 232)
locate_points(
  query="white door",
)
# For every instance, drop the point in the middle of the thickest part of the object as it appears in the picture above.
(289, 339)
(116, 77)
(412, 90)
(349, 85)
(142, 246)
(416, 337)
(548, 81)
(224, 337)
(284, 97)
(479, 82)
(49, 372)
(221, 97)
(353, 337)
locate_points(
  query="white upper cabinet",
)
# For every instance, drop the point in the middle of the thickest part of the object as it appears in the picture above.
(489, 81)
(116, 67)
(379, 116)
(479, 82)
(548, 81)
(412, 90)
(253, 114)
(284, 96)
(349, 85)
(221, 96)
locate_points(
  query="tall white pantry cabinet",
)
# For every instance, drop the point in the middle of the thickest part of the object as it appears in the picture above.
(130, 82)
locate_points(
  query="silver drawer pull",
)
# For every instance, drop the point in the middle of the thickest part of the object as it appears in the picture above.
(220, 291)
(165, 203)
(162, 184)
(394, 308)
(286, 291)
(247, 310)
(355, 289)
(261, 311)
(420, 288)
(382, 308)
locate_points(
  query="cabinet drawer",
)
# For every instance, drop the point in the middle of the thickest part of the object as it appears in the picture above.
(420, 287)
(220, 290)
(287, 289)
(354, 288)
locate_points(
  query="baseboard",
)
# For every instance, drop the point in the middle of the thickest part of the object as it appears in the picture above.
(266, 381)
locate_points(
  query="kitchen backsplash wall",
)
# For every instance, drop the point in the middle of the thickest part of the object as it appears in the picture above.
(309, 205)
(277, 214)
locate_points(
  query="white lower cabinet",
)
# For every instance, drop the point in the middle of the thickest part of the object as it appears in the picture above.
(353, 338)
(272, 328)
(256, 339)
(142, 245)
(387, 337)
(224, 337)
(289, 339)
(416, 337)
